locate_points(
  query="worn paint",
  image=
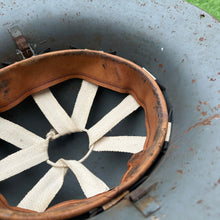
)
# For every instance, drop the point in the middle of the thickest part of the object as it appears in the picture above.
(179, 171)
(199, 201)
(207, 121)
(204, 113)
(201, 39)
(135, 39)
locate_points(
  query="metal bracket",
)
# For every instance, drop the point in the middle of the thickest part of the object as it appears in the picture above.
(144, 201)
(24, 48)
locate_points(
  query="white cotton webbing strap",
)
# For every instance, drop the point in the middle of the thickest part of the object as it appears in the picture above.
(40, 196)
(84, 103)
(17, 135)
(127, 144)
(54, 113)
(125, 108)
(23, 160)
(91, 185)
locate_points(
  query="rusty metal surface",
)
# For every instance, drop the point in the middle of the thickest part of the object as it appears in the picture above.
(23, 47)
(182, 49)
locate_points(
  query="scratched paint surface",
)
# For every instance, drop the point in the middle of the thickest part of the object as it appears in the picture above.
(178, 46)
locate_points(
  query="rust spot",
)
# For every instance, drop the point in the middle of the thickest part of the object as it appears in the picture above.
(198, 107)
(218, 148)
(209, 25)
(191, 149)
(199, 201)
(212, 79)
(211, 108)
(216, 184)
(207, 121)
(204, 113)
(176, 146)
(201, 39)
(193, 80)
(155, 59)
(164, 71)
(200, 102)
(218, 105)
(205, 103)
(179, 171)
(173, 188)
(182, 60)
(218, 91)
(160, 65)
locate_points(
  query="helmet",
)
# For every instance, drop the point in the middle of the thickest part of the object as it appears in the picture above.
(33, 77)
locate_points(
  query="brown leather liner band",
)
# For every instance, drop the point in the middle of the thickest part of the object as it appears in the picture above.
(37, 73)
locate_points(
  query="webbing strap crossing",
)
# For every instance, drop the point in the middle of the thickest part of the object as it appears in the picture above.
(125, 108)
(55, 114)
(34, 148)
